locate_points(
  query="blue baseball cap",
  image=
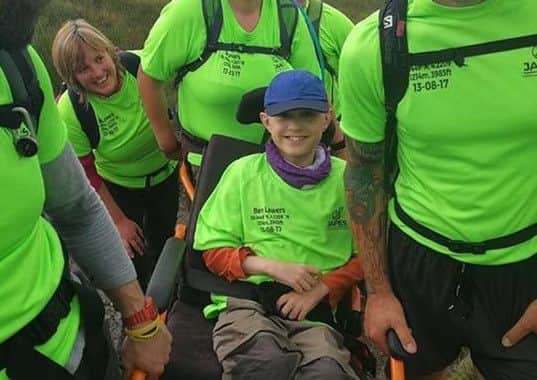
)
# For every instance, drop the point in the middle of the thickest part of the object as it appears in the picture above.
(295, 89)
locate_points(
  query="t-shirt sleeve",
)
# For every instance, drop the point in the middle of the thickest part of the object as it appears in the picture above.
(303, 54)
(360, 84)
(334, 29)
(76, 135)
(177, 38)
(51, 134)
(220, 220)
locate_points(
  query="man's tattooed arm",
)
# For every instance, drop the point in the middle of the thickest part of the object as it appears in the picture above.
(367, 203)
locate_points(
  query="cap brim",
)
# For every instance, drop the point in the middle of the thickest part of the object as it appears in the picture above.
(252, 103)
(313, 105)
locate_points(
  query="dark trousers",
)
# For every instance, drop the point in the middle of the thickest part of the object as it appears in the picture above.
(154, 209)
(449, 305)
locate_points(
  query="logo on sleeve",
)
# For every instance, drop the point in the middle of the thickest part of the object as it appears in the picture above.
(337, 219)
(530, 67)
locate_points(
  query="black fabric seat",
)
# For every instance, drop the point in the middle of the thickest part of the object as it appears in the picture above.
(192, 355)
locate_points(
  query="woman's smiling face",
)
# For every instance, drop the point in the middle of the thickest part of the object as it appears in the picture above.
(97, 72)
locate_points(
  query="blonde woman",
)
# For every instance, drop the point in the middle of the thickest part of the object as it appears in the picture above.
(116, 145)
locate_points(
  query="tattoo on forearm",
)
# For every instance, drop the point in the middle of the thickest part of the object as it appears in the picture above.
(366, 200)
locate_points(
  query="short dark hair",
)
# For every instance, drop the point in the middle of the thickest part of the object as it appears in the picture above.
(17, 21)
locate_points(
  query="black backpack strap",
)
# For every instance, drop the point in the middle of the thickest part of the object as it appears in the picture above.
(212, 13)
(86, 117)
(130, 62)
(24, 85)
(18, 355)
(457, 55)
(395, 74)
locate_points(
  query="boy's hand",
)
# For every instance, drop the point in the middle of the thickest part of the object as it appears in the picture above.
(300, 277)
(296, 306)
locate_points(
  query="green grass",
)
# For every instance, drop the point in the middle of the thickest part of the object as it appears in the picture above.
(127, 22)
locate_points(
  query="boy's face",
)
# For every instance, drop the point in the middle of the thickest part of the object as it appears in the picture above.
(296, 134)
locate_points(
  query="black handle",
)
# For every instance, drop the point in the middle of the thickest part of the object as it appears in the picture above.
(395, 347)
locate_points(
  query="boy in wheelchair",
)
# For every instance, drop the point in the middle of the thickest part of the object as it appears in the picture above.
(278, 219)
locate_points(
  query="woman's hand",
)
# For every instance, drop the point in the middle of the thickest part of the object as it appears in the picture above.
(132, 236)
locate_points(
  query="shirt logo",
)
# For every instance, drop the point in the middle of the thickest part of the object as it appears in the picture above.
(530, 67)
(337, 219)
(108, 124)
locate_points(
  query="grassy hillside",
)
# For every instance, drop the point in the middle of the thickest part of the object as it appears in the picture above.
(126, 22)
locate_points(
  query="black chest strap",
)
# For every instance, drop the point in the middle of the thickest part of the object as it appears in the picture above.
(458, 246)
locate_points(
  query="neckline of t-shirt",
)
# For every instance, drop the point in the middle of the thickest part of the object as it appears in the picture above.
(226, 7)
(468, 11)
(116, 95)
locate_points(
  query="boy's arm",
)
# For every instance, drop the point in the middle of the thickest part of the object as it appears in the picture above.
(227, 262)
(342, 279)
(238, 263)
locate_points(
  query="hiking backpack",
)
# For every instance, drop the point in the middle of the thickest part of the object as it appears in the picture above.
(85, 113)
(22, 115)
(397, 62)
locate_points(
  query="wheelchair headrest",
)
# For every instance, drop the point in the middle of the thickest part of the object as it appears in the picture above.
(252, 103)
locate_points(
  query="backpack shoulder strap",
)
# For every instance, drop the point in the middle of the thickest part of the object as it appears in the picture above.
(395, 73)
(288, 16)
(130, 62)
(86, 117)
(315, 12)
(24, 86)
(212, 14)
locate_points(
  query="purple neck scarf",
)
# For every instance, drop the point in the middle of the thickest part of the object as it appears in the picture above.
(294, 175)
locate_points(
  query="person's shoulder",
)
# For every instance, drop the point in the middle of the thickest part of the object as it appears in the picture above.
(63, 101)
(332, 15)
(183, 10)
(246, 168)
(364, 34)
(338, 165)
(362, 45)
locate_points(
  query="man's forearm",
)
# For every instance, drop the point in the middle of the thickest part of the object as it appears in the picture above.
(367, 203)
(127, 298)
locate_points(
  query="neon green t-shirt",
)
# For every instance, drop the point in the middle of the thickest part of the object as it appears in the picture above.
(208, 98)
(253, 207)
(334, 28)
(127, 150)
(31, 258)
(466, 134)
